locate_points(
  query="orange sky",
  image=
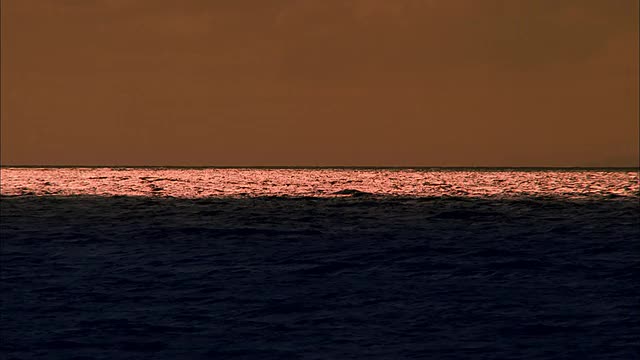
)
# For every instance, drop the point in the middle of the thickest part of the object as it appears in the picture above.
(331, 82)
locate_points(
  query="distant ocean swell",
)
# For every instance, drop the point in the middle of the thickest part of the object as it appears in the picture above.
(195, 183)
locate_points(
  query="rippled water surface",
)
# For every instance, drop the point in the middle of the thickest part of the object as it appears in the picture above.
(191, 183)
(319, 264)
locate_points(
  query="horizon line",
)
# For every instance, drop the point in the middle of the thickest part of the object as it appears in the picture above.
(637, 167)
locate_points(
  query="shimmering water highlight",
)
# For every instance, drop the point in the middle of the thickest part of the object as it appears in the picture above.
(196, 183)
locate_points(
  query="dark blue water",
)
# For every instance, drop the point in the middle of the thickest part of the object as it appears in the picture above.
(309, 278)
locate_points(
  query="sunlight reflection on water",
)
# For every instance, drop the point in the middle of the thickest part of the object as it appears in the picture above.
(196, 183)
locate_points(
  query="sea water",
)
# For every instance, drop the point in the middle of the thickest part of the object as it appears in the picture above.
(119, 263)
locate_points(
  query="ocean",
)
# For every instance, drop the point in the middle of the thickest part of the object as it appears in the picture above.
(260, 263)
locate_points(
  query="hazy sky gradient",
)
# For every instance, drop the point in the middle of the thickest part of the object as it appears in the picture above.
(310, 82)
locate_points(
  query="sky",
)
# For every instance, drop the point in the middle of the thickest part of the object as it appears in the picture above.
(320, 83)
